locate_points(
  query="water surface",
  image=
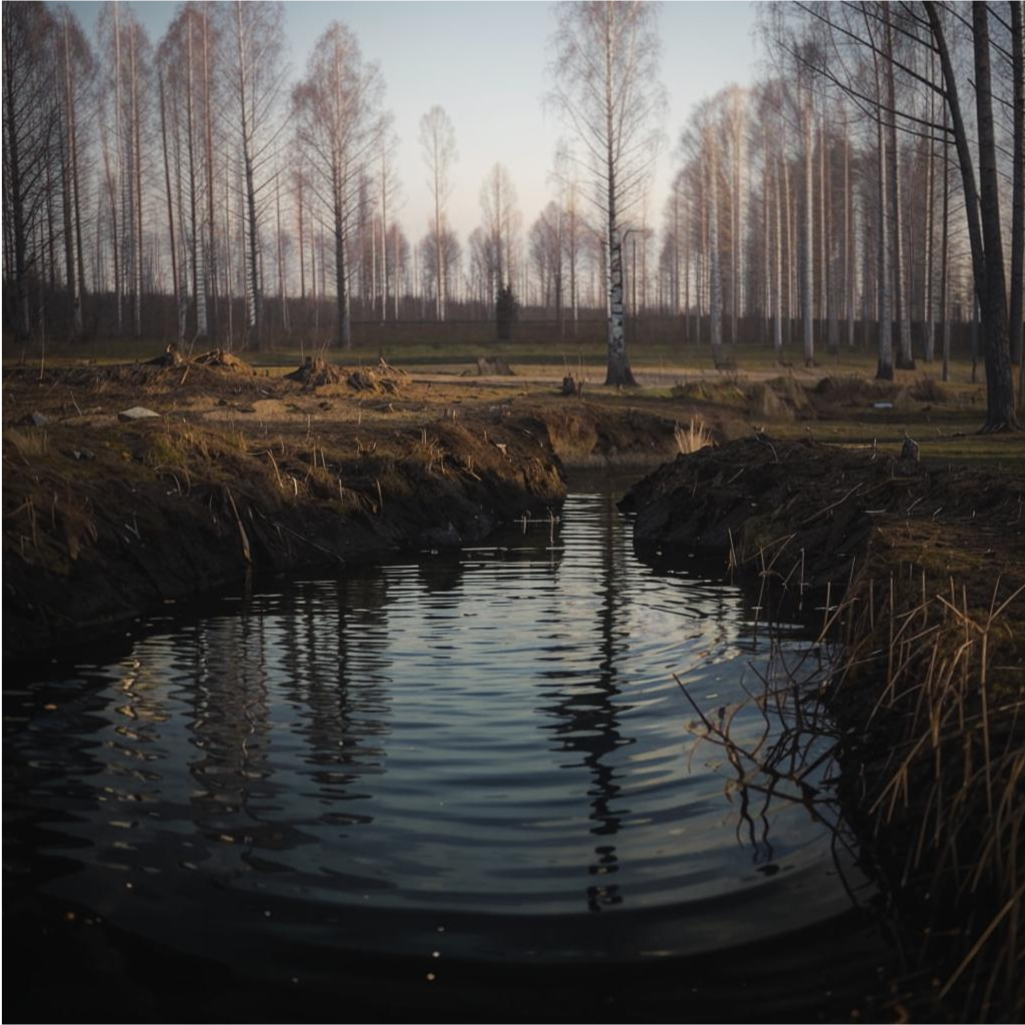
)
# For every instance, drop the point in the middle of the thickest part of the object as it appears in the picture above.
(480, 754)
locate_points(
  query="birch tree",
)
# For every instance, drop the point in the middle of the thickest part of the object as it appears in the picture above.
(438, 146)
(29, 121)
(252, 59)
(501, 220)
(336, 112)
(76, 70)
(605, 66)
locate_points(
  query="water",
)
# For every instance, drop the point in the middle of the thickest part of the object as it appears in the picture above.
(479, 755)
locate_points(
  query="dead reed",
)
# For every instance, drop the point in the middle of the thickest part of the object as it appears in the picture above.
(904, 721)
(696, 436)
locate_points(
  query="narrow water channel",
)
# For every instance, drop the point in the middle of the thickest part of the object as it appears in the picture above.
(473, 757)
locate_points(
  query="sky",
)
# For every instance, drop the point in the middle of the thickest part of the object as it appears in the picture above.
(487, 64)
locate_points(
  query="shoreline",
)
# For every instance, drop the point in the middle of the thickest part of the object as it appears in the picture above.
(930, 561)
(235, 474)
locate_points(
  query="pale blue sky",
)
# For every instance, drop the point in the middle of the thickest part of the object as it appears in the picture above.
(487, 65)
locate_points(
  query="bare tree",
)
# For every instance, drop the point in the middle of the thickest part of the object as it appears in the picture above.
(253, 47)
(338, 125)
(438, 143)
(76, 69)
(982, 208)
(29, 119)
(389, 187)
(605, 66)
(1018, 197)
(501, 221)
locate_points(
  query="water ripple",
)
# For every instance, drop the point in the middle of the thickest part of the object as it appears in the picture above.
(495, 732)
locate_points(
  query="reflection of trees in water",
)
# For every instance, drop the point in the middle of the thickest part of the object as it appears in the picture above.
(319, 650)
(231, 728)
(588, 717)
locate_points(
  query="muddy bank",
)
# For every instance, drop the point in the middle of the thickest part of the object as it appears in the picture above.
(131, 485)
(104, 518)
(930, 700)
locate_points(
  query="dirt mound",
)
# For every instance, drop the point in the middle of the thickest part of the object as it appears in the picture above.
(765, 404)
(926, 389)
(583, 434)
(317, 373)
(854, 391)
(130, 383)
(931, 564)
(819, 500)
(222, 360)
(493, 366)
(723, 393)
(170, 357)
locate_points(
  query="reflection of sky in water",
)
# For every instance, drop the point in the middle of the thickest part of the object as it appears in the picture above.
(495, 731)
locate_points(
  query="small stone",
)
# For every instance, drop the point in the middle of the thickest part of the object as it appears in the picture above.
(136, 413)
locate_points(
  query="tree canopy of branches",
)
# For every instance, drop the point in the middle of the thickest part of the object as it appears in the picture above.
(895, 67)
(438, 144)
(339, 128)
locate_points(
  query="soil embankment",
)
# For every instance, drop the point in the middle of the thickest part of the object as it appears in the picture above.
(128, 486)
(931, 562)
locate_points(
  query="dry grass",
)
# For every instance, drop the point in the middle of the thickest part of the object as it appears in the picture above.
(948, 695)
(692, 438)
(922, 707)
(31, 443)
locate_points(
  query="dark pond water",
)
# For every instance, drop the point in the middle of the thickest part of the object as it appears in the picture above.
(478, 756)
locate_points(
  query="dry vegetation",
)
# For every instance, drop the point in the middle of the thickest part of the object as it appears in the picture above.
(927, 693)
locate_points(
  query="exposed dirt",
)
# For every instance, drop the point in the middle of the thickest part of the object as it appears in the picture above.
(771, 500)
(102, 518)
(931, 560)
(242, 471)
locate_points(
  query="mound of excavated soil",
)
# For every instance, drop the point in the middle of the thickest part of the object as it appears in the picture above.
(726, 393)
(137, 376)
(222, 360)
(925, 389)
(317, 372)
(759, 496)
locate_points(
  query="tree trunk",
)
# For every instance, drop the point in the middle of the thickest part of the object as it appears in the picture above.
(15, 176)
(884, 370)
(195, 240)
(170, 212)
(341, 276)
(930, 232)
(778, 336)
(137, 179)
(211, 253)
(253, 237)
(905, 358)
(714, 263)
(70, 174)
(807, 273)
(999, 380)
(945, 251)
(1018, 197)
